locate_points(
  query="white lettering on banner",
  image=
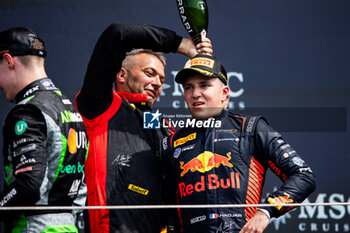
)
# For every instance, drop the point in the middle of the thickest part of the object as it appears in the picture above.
(307, 212)
(239, 76)
(176, 104)
(240, 105)
(324, 227)
(320, 218)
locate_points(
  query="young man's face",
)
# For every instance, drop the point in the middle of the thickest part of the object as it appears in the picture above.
(205, 97)
(146, 77)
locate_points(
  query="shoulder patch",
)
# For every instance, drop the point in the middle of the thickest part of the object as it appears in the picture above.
(20, 127)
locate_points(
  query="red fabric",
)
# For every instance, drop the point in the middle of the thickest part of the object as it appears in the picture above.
(95, 165)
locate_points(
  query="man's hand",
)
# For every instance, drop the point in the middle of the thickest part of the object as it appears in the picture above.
(188, 48)
(205, 47)
(256, 224)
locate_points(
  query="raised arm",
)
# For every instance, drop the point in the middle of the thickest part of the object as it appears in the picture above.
(106, 60)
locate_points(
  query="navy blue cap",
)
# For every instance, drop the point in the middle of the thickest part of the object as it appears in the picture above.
(20, 41)
(208, 66)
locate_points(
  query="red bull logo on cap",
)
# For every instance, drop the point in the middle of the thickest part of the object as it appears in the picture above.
(205, 162)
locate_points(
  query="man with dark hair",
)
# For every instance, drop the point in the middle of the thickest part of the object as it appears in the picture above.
(45, 143)
(123, 165)
(226, 162)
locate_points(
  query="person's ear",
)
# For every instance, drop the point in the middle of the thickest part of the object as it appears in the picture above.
(225, 94)
(9, 61)
(122, 76)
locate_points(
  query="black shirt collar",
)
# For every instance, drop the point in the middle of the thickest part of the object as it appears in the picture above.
(38, 85)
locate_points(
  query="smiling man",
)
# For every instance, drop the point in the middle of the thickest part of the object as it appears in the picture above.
(226, 164)
(142, 72)
(123, 162)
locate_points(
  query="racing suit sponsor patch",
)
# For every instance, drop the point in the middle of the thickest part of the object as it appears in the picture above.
(66, 101)
(224, 215)
(285, 146)
(24, 160)
(198, 219)
(48, 84)
(205, 162)
(68, 117)
(15, 144)
(280, 200)
(23, 169)
(23, 150)
(74, 188)
(227, 130)
(8, 197)
(183, 140)
(138, 189)
(189, 147)
(214, 182)
(177, 152)
(20, 127)
(165, 144)
(76, 140)
(31, 90)
(225, 139)
(298, 161)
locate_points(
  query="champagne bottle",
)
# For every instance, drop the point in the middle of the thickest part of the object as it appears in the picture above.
(194, 17)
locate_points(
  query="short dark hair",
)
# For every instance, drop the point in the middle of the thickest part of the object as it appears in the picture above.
(135, 52)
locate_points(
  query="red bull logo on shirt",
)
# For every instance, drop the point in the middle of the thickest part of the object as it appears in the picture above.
(203, 163)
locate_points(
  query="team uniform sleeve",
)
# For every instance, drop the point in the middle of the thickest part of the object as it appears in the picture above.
(25, 156)
(80, 199)
(110, 50)
(298, 178)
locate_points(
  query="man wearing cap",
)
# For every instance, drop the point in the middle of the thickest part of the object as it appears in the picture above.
(226, 163)
(45, 143)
